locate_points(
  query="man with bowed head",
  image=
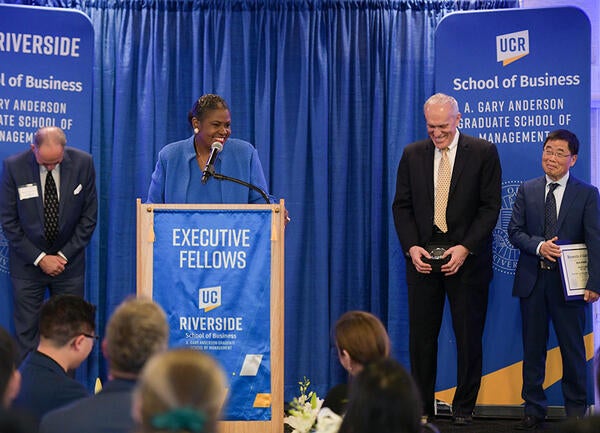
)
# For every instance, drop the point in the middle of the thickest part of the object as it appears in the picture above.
(447, 201)
(67, 336)
(549, 211)
(136, 330)
(48, 210)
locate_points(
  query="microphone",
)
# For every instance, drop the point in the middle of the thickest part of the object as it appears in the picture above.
(209, 168)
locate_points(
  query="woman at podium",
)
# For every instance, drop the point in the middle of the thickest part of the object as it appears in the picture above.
(185, 170)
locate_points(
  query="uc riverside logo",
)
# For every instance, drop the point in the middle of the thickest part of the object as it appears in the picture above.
(209, 298)
(512, 47)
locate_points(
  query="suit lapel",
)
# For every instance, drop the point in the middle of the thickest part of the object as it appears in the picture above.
(66, 172)
(428, 170)
(460, 162)
(35, 173)
(567, 200)
(539, 202)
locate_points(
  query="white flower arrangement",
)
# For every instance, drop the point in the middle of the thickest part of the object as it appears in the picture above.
(305, 414)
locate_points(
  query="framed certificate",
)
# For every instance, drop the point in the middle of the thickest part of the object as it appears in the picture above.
(573, 265)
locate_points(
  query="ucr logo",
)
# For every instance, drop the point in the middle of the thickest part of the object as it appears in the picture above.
(209, 298)
(512, 46)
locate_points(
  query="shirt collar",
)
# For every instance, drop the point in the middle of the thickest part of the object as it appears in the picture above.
(562, 181)
(453, 144)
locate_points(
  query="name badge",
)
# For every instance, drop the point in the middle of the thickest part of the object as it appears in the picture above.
(28, 191)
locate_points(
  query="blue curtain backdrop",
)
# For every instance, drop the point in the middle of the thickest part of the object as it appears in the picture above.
(328, 91)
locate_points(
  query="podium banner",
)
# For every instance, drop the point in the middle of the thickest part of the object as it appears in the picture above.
(211, 274)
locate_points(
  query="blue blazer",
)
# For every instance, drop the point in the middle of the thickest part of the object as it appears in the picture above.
(106, 412)
(578, 222)
(23, 218)
(172, 177)
(45, 386)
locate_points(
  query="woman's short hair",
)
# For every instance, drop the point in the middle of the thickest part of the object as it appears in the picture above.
(384, 399)
(204, 104)
(180, 390)
(362, 335)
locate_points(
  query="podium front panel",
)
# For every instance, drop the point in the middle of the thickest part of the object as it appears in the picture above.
(213, 271)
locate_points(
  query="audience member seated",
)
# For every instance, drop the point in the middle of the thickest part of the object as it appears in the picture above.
(384, 399)
(10, 383)
(10, 378)
(67, 335)
(179, 391)
(360, 339)
(137, 330)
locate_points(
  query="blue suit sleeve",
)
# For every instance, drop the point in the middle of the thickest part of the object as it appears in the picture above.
(156, 192)
(257, 177)
(518, 231)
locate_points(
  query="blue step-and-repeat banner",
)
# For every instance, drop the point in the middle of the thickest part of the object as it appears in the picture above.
(46, 64)
(517, 75)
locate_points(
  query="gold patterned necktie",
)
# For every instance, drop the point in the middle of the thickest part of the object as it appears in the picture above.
(50, 209)
(441, 192)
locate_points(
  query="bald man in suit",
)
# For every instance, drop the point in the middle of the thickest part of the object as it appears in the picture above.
(461, 233)
(41, 261)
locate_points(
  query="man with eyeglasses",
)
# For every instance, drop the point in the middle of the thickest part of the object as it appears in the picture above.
(67, 336)
(548, 211)
(136, 331)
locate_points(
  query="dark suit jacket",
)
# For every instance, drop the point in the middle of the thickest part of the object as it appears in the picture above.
(473, 200)
(106, 412)
(578, 222)
(23, 220)
(45, 386)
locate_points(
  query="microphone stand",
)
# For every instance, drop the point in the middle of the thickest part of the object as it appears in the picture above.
(219, 176)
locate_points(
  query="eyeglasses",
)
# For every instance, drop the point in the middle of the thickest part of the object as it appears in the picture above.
(558, 154)
(93, 337)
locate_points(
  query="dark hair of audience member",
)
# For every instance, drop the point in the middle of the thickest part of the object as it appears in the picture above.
(11, 421)
(362, 335)
(63, 317)
(383, 399)
(181, 390)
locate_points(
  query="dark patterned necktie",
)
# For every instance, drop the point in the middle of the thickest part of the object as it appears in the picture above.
(50, 209)
(550, 221)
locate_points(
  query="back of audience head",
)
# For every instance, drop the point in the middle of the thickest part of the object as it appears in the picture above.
(383, 399)
(136, 330)
(181, 390)
(10, 378)
(360, 338)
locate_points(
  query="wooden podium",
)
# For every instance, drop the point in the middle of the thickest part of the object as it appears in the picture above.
(147, 237)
